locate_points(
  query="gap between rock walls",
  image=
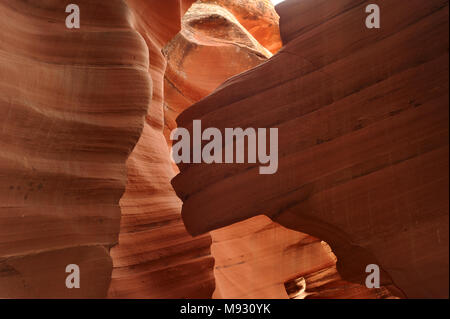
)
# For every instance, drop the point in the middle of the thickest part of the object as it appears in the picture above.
(205, 53)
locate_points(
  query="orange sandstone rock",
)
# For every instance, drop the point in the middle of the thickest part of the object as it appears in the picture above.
(72, 105)
(253, 258)
(363, 142)
(211, 47)
(156, 257)
(363, 121)
(74, 102)
(328, 284)
(258, 17)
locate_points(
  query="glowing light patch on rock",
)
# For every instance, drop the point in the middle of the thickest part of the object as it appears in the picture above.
(275, 2)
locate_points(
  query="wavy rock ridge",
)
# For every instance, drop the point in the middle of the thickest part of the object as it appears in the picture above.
(72, 105)
(363, 140)
(156, 257)
(211, 47)
(363, 122)
(254, 258)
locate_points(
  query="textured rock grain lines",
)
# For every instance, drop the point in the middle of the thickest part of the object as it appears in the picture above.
(65, 107)
(363, 124)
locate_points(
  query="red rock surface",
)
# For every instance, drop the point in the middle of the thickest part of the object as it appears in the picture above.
(254, 258)
(211, 47)
(258, 258)
(363, 120)
(156, 257)
(363, 141)
(258, 17)
(72, 105)
(328, 284)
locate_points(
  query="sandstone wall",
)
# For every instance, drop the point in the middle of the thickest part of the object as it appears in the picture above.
(254, 258)
(156, 257)
(363, 129)
(72, 105)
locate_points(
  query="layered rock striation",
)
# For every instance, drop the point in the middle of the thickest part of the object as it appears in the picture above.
(258, 258)
(211, 47)
(72, 105)
(258, 17)
(362, 116)
(156, 257)
(75, 102)
(254, 258)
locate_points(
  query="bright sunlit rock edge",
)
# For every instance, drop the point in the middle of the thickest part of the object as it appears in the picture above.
(275, 2)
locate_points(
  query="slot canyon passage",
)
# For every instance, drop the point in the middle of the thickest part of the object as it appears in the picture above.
(87, 177)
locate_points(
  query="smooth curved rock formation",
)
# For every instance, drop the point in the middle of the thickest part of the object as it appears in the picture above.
(72, 105)
(258, 17)
(156, 257)
(254, 258)
(328, 284)
(363, 141)
(211, 47)
(363, 120)
(258, 258)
